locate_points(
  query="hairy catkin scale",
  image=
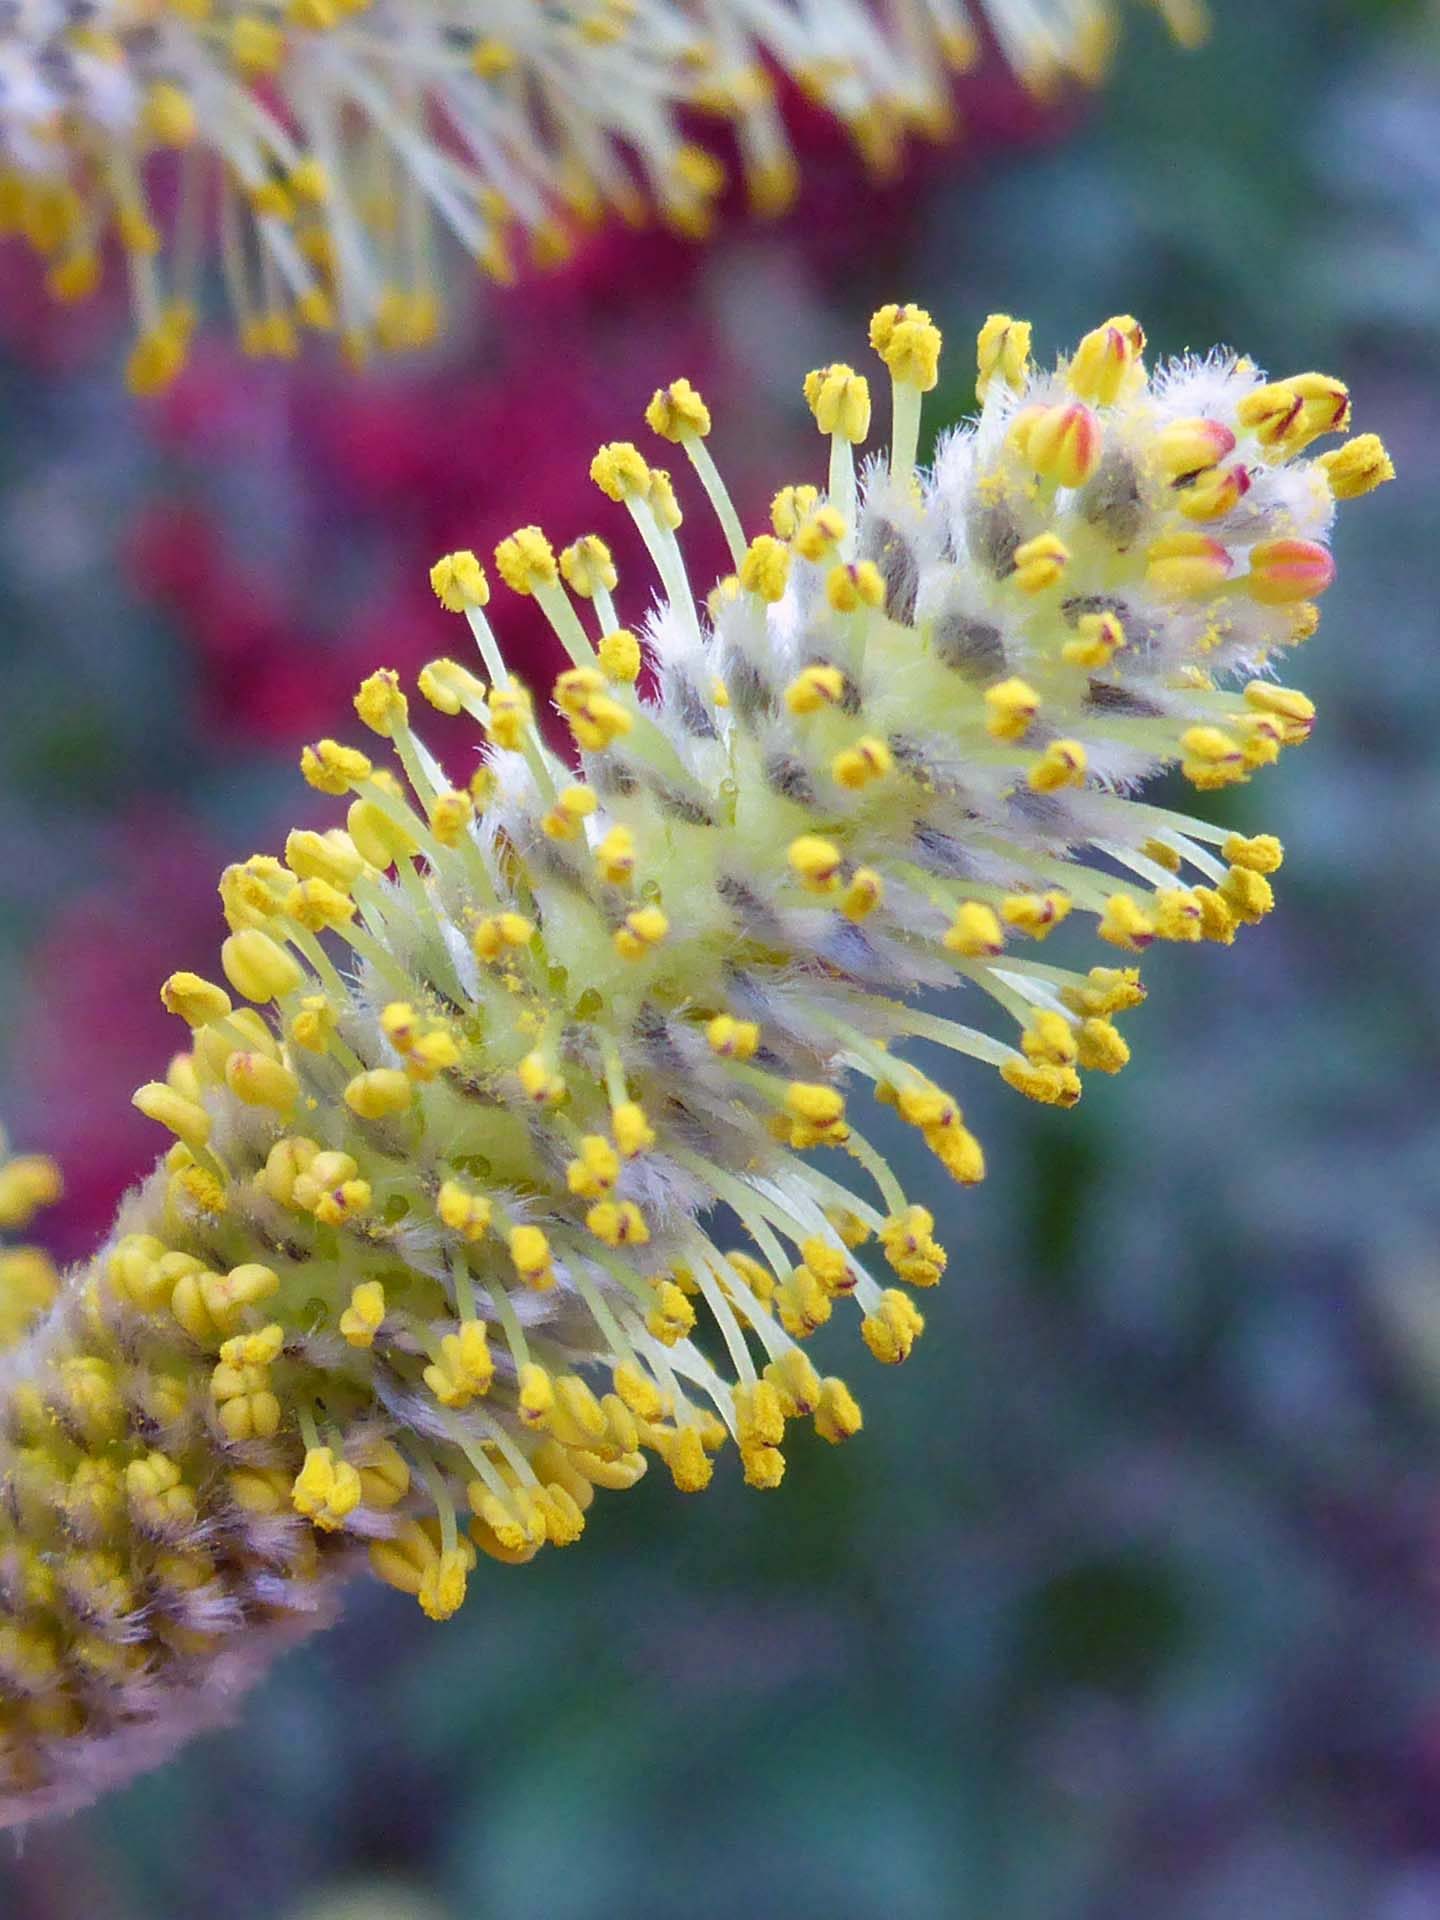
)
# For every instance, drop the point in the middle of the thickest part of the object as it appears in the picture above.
(430, 1260)
(333, 144)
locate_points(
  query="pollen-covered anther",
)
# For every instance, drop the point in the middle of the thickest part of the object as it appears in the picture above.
(816, 863)
(839, 398)
(1098, 638)
(890, 1332)
(849, 587)
(976, 933)
(587, 567)
(765, 568)
(857, 766)
(641, 932)
(1039, 564)
(820, 534)
(1357, 468)
(732, 1039)
(526, 561)
(1212, 758)
(620, 471)
(1063, 764)
(1010, 706)
(909, 342)
(678, 413)
(459, 582)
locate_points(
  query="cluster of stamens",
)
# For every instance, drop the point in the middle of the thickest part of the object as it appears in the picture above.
(435, 1254)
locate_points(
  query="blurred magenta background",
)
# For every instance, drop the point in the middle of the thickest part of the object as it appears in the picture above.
(1126, 1604)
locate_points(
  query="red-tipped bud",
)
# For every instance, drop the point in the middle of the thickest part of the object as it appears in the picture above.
(1063, 443)
(1189, 446)
(1284, 571)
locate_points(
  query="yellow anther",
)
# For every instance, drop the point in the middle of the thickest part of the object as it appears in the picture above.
(632, 1130)
(820, 534)
(535, 1395)
(868, 760)
(1212, 758)
(459, 581)
(381, 704)
(465, 1369)
(464, 1212)
(619, 656)
(261, 1081)
(1100, 1047)
(732, 1039)
(510, 716)
(909, 343)
(839, 398)
(1177, 915)
(527, 561)
(539, 1080)
(1048, 1085)
(1102, 366)
(1037, 914)
(595, 1169)
(791, 508)
(1358, 468)
(501, 934)
(451, 815)
(384, 1476)
(815, 688)
(450, 688)
(1187, 566)
(618, 1223)
(365, 1315)
(530, 1253)
(1247, 894)
(837, 1417)
(378, 837)
(1124, 923)
(157, 1494)
(818, 1106)
(765, 569)
(1262, 854)
(911, 1248)
(1062, 764)
(316, 905)
(197, 1002)
(587, 567)
(566, 819)
(1039, 564)
(598, 722)
(816, 863)
(976, 933)
(1099, 637)
(620, 471)
(1010, 706)
(1002, 352)
(641, 933)
(678, 413)
(1063, 443)
(864, 893)
(378, 1094)
(332, 768)
(850, 587)
(332, 857)
(892, 1330)
(1049, 1040)
(670, 1317)
(186, 1120)
(327, 1490)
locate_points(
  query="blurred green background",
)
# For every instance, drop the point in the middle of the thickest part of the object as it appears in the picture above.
(1127, 1603)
